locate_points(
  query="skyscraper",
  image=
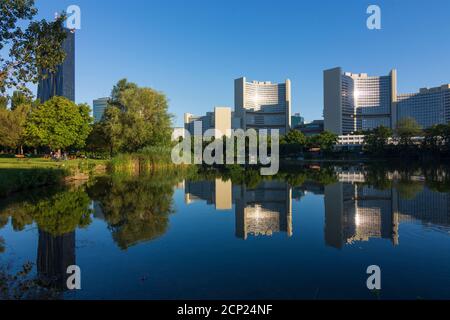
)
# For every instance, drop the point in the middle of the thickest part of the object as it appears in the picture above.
(263, 105)
(61, 83)
(355, 102)
(99, 106)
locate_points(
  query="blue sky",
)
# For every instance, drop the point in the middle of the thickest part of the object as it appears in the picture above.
(192, 50)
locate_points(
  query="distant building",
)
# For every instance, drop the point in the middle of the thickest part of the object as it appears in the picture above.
(297, 120)
(428, 106)
(62, 83)
(263, 105)
(99, 106)
(356, 102)
(220, 119)
(312, 128)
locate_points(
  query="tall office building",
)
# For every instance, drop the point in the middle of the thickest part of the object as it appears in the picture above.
(61, 83)
(99, 106)
(428, 106)
(263, 105)
(354, 102)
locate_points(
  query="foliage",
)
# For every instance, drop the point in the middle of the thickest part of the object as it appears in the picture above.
(135, 118)
(377, 139)
(59, 123)
(407, 128)
(294, 137)
(325, 141)
(12, 126)
(33, 46)
(136, 209)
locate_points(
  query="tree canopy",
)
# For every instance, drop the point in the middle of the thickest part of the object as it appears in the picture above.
(136, 117)
(407, 128)
(33, 46)
(59, 123)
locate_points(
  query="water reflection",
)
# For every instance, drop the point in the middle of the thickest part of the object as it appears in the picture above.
(259, 211)
(359, 205)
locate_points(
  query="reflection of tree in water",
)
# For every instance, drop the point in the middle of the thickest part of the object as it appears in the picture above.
(136, 209)
(57, 215)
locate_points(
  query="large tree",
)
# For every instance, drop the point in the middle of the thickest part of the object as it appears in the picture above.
(27, 46)
(59, 123)
(12, 127)
(135, 118)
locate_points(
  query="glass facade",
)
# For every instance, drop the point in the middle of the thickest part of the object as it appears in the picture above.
(63, 82)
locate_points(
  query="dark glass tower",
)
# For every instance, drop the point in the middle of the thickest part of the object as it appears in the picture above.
(62, 83)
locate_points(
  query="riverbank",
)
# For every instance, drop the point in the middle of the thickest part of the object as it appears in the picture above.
(23, 174)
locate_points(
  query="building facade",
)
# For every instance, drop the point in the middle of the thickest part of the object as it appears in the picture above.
(61, 83)
(99, 106)
(428, 106)
(263, 105)
(312, 128)
(297, 120)
(220, 119)
(358, 102)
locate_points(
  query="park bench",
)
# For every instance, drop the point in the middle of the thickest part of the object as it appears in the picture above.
(19, 156)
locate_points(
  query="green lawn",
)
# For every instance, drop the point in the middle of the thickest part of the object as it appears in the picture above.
(36, 163)
(22, 174)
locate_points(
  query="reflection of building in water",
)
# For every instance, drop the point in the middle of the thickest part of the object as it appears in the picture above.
(357, 213)
(216, 192)
(262, 210)
(55, 254)
(428, 206)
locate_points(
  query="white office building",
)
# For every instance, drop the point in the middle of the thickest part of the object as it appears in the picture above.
(263, 105)
(356, 102)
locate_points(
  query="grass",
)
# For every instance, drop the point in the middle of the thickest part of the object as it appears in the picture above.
(23, 174)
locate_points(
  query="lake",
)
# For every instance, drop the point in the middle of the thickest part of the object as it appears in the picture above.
(308, 233)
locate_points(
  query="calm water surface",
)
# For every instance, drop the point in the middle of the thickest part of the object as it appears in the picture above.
(205, 238)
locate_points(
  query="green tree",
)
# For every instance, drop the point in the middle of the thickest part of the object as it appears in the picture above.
(19, 98)
(12, 126)
(294, 137)
(33, 46)
(325, 141)
(118, 89)
(111, 129)
(377, 139)
(135, 118)
(4, 102)
(59, 123)
(407, 128)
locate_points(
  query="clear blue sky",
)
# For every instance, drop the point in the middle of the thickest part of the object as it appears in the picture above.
(192, 50)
